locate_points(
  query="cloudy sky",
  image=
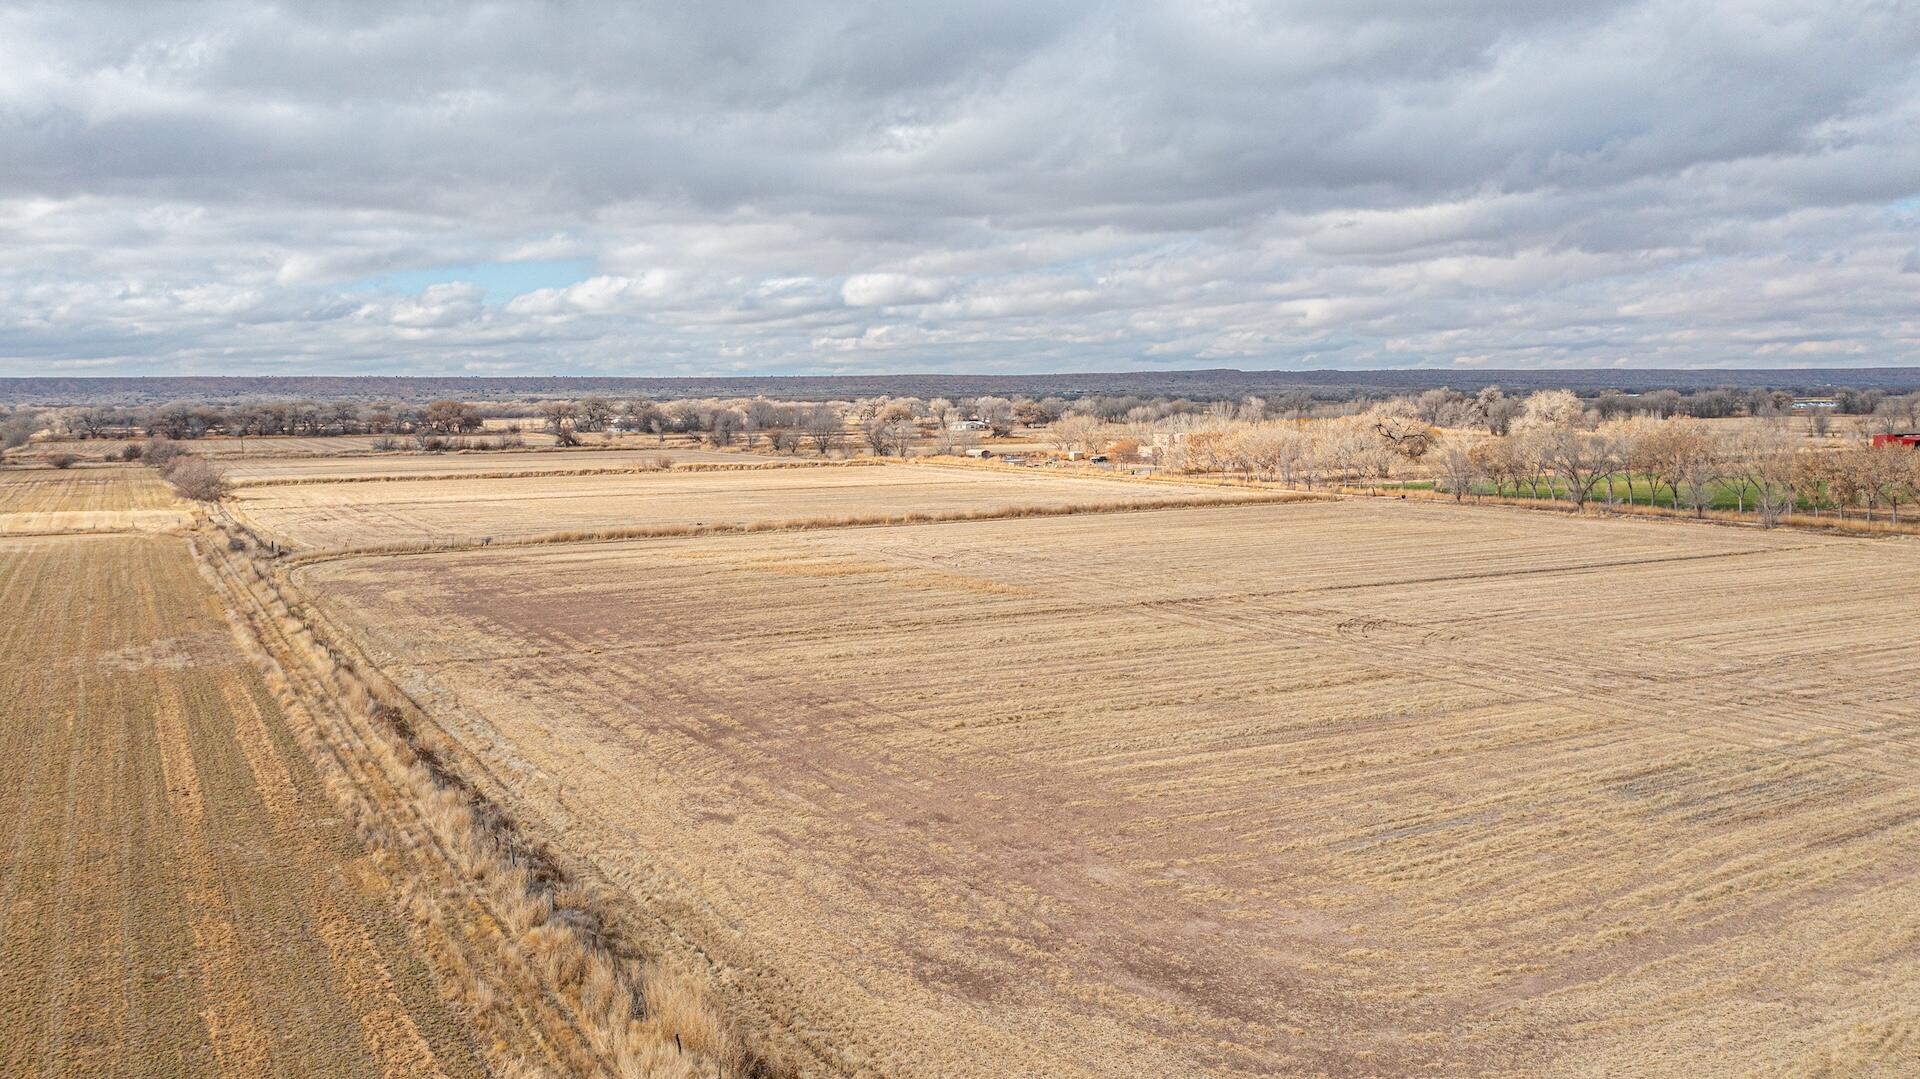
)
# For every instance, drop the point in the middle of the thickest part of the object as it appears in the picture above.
(906, 186)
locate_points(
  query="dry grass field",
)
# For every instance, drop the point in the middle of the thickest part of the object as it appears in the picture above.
(178, 895)
(263, 470)
(85, 499)
(1338, 788)
(342, 515)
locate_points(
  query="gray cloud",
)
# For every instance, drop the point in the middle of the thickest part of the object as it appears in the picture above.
(923, 186)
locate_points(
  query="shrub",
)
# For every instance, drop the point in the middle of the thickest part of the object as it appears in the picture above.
(130, 451)
(199, 479)
(63, 460)
(161, 452)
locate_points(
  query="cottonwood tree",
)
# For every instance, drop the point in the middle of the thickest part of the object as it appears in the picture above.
(1077, 433)
(1399, 426)
(1677, 449)
(1578, 457)
(897, 410)
(1891, 476)
(1274, 450)
(560, 415)
(889, 438)
(639, 415)
(1700, 474)
(1496, 459)
(996, 413)
(1458, 465)
(1635, 442)
(595, 413)
(723, 425)
(1763, 459)
(823, 427)
(451, 416)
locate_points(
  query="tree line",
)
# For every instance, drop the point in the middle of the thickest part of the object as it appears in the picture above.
(1558, 446)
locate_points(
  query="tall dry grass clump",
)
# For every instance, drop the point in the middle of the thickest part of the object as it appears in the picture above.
(524, 950)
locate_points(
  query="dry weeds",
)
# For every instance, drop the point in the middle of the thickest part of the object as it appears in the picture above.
(521, 949)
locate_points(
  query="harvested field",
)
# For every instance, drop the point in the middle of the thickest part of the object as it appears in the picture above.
(264, 470)
(329, 516)
(1336, 788)
(117, 498)
(179, 897)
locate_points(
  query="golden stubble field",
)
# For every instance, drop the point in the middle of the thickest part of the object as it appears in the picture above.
(1337, 788)
(111, 498)
(262, 469)
(329, 516)
(178, 896)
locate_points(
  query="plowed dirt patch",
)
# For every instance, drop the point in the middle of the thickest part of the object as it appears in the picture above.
(1353, 788)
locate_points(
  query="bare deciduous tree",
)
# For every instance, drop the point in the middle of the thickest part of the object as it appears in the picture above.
(823, 427)
(1077, 434)
(1399, 426)
(1458, 464)
(1763, 458)
(199, 479)
(889, 438)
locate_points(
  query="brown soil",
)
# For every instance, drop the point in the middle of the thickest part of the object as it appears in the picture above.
(1319, 789)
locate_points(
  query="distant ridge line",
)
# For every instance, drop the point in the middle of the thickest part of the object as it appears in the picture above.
(1213, 383)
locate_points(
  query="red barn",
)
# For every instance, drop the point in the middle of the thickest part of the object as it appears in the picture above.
(1910, 438)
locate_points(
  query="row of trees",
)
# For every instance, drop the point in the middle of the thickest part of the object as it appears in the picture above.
(1489, 409)
(1766, 468)
(1560, 446)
